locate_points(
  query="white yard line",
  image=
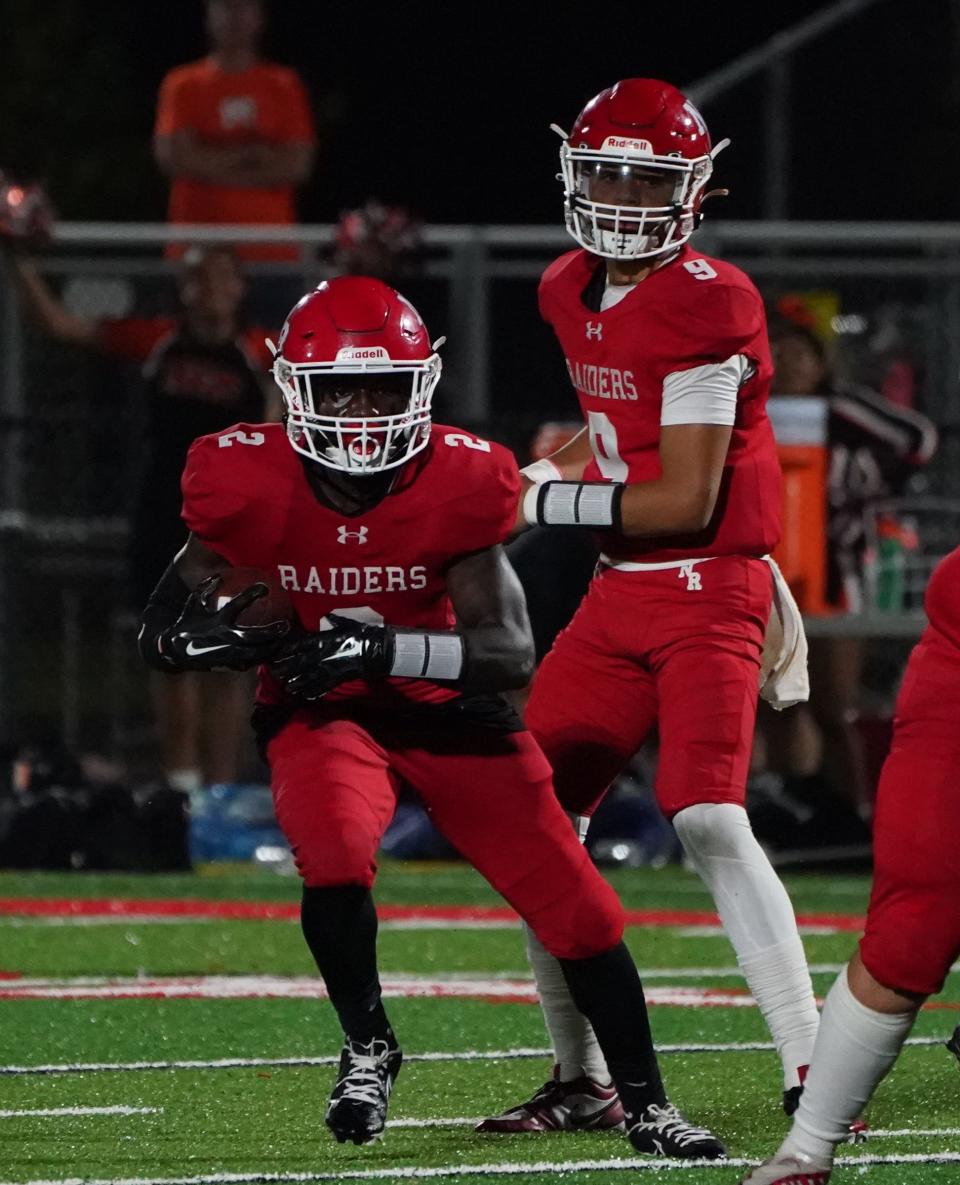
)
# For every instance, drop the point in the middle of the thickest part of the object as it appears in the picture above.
(873, 1134)
(505, 1169)
(23, 923)
(920, 1133)
(65, 1111)
(468, 1055)
(809, 929)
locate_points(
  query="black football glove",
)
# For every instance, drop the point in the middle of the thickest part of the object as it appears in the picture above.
(312, 664)
(207, 639)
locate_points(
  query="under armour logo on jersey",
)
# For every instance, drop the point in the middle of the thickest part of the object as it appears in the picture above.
(343, 534)
(692, 577)
(595, 330)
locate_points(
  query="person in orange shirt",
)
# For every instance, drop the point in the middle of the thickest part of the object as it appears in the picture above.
(234, 133)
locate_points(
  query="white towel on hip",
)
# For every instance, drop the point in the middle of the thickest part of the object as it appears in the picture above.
(783, 667)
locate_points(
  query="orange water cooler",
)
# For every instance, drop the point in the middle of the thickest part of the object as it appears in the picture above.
(800, 426)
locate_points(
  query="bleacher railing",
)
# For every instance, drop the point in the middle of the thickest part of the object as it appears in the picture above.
(63, 512)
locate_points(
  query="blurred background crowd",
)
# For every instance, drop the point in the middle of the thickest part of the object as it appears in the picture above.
(133, 318)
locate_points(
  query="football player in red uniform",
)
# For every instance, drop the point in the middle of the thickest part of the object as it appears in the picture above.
(676, 469)
(912, 935)
(385, 530)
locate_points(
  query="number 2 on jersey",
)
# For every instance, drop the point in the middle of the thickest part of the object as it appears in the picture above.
(606, 451)
(455, 439)
(240, 437)
(362, 613)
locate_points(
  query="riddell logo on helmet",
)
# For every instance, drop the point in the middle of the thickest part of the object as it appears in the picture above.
(625, 144)
(362, 354)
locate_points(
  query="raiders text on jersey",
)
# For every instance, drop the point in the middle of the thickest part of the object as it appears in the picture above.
(603, 382)
(341, 582)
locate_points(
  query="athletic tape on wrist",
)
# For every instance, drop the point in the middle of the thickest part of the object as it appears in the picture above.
(541, 471)
(419, 655)
(574, 504)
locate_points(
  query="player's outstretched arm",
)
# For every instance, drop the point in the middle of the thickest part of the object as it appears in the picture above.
(684, 497)
(566, 464)
(181, 630)
(48, 311)
(491, 651)
(492, 612)
(680, 501)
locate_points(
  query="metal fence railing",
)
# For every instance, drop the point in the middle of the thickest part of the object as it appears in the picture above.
(69, 421)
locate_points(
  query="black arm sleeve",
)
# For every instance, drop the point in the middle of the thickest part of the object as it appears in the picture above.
(164, 607)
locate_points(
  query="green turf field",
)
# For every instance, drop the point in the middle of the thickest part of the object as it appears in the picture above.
(262, 1120)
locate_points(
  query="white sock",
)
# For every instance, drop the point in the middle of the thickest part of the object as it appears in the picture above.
(780, 983)
(855, 1048)
(759, 921)
(575, 1047)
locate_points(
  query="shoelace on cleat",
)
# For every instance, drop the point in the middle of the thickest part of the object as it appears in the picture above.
(363, 1082)
(668, 1121)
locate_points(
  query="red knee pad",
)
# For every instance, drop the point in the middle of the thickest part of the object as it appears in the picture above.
(911, 940)
(588, 924)
(341, 853)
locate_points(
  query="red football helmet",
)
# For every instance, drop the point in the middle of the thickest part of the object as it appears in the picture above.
(638, 130)
(355, 335)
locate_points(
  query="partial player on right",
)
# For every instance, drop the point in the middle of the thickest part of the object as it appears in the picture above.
(912, 935)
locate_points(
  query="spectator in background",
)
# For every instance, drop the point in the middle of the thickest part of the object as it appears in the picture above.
(235, 134)
(203, 371)
(377, 240)
(385, 241)
(875, 447)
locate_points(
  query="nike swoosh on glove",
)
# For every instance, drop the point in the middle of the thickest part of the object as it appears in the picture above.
(207, 639)
(312, 664)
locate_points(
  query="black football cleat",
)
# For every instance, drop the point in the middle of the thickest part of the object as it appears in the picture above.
(791, 1097)
(954, 1043)
(357, 1109)
(665, 1131)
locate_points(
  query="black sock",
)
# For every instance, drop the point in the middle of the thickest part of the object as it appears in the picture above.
(340, 926)
(607, 991)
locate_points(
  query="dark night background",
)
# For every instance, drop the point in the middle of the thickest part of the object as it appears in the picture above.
(447, 108)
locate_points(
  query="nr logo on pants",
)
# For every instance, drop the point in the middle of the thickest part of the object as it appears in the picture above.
(688, 572)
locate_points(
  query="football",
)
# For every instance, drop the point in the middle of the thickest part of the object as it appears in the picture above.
(275, 606)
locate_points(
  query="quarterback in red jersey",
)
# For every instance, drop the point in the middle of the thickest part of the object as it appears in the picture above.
(912, 934)
(385, 531)
(676, 471)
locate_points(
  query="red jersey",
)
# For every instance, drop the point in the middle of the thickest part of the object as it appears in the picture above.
(942, 603)
(247, 497)
(688, 313)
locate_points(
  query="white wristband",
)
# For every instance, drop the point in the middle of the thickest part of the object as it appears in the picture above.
(574, 504)
(531, 500)
(540, 471)
(419, 655)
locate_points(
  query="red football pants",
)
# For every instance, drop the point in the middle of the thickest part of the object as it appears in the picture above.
(335, 785)
(912, 934)
(678, 648)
